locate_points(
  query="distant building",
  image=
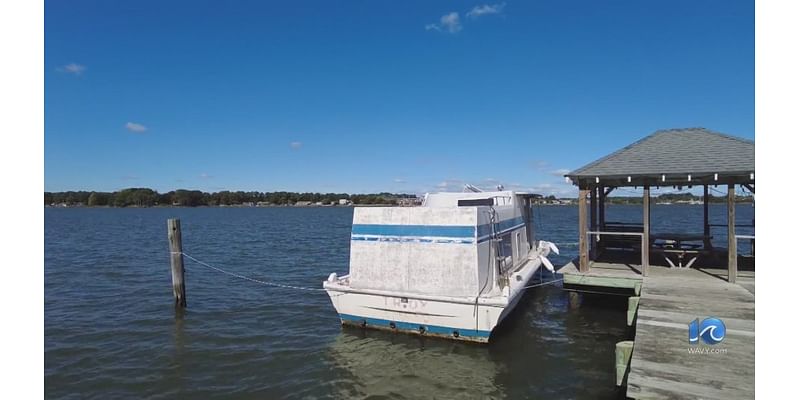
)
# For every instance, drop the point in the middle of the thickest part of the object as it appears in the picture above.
(302, 204)
(344, 202)
(409, 201)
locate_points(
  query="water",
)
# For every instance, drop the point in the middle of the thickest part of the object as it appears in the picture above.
(111, 330)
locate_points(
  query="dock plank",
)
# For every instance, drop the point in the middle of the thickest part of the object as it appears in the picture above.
(662, 366)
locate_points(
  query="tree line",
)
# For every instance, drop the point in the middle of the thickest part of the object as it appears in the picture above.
(676, 198)
(144, 197)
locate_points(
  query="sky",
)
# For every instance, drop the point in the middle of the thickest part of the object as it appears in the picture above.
(374, 96)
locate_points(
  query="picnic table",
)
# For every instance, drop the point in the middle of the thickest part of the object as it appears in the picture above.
(680, 245)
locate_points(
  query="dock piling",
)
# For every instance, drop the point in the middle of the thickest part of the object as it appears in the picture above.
(622, 355)
(176, 261)
(633, 306)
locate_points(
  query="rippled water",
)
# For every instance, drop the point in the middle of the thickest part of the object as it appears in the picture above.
(111, 330)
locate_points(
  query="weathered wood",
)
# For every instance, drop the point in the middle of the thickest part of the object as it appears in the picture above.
(732, 267)
(645, 230)
(662, 365)
(602, 207)
(602, 275)
(633, 306)
(593, 223)
(623, 359)
(582, 245)
(706, 227)
(601, 211)
(176, 261)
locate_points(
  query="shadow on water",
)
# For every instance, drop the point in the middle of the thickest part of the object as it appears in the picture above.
(378, 364)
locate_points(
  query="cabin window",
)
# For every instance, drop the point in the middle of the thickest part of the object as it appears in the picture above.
(506, 247)
(518, 255)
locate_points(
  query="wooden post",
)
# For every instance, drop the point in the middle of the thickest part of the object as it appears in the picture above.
(582, 245)
(602, 207)
(593, 223)
(601, 224)
(176, 261)
(706, 228)
(732, 267)
(645, 230)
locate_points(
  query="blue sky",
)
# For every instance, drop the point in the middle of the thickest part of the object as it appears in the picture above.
(369, 96)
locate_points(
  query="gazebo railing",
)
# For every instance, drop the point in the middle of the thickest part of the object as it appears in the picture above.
(733, 262)
(644, 246)
(752, 239)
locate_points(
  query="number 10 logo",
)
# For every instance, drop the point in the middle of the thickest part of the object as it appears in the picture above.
(711, 330)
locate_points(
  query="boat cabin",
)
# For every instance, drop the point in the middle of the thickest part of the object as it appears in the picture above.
(443, 247)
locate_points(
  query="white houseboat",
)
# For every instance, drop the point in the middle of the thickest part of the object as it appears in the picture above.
(453, 267)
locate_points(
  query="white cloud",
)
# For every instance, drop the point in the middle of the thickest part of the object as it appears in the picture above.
(539, 165)
(296, 145)
(447, 23)
(399, 180)
(205, 176)
(486, 9)
(559, 172)
(73, 68)
(450, 185)
(135, 128)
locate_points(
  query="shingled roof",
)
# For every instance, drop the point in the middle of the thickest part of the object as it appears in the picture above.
(674, 157)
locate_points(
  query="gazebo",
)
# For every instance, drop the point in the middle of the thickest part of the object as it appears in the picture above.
(667, 158)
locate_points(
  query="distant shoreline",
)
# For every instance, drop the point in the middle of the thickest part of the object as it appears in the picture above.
(145, 197)
(575, 204)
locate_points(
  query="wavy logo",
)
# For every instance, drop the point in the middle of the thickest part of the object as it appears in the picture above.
(711, 330)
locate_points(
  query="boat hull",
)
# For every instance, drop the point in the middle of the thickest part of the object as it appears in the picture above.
(457, 319)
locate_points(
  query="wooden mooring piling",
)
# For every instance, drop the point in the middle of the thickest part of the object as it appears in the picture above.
(176, 261)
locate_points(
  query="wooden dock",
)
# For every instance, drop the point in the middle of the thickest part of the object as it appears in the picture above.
(604, 277)
(663, 364)
(625, 257)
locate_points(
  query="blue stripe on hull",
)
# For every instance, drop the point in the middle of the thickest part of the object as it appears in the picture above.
(408, 326)
(414, 230)
(432, 233)
(411, 239)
